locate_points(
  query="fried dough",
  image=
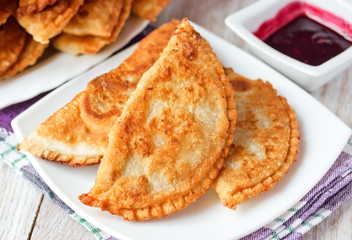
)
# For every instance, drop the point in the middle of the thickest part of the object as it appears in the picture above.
(77, 134)
(7, 7)
(76, 45)
(27, 7)
(149, 9)
(90, 21)
(29, 56)
(172, 136)
(51, 21)
(265, 143)
(12, 41)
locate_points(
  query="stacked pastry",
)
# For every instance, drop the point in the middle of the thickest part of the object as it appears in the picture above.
(265, 144)
(90, 30)
(162, 124)
(18, 49)
(73, 26)
(81, 127)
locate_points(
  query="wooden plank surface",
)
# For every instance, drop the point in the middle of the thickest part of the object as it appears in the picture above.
(53, 223)
(19, 203)
(26, 214)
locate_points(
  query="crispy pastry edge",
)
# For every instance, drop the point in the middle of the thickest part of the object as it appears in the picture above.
(55, 156)
(59, 157)
(180, 202)
(270, 181)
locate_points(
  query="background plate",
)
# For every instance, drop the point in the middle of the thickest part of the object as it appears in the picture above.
(323, 137)
(57, 67)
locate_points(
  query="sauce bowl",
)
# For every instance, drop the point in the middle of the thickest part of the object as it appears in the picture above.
(248, 20)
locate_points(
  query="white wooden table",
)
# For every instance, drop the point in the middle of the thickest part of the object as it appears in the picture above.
(27, 214)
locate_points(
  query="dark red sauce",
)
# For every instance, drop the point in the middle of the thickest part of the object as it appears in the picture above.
(308, 41)
(294, 33)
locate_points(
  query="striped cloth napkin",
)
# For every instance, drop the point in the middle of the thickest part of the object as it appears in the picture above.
(333, 189)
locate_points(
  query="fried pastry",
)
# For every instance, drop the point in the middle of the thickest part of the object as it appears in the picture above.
(29, 56)
(172, 136)
(51, 21)
(77, 134)
(90, 21)
(7, 7)
(27, 7)
(149, 9)
(13, 39)
(265, 143)
(76, 45)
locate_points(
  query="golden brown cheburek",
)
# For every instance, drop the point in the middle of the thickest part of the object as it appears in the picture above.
(76, 45)
(7, 7)
(77, 134)
(27, 7)
(51, 21)
(29, 55)
(265, 143)
(149, 9)
(95, 17)
(171, 139)
(12, 41)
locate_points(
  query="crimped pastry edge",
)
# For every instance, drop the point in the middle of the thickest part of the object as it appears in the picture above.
(21, 64)
(71, 47)
(44, 37)
(70, 159)
(55, 156)
(269, 182)
(180, 202)
(39, 150)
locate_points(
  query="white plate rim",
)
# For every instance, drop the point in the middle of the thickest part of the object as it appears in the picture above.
(21, 86)
(344, 132)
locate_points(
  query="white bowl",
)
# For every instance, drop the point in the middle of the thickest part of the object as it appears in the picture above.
(248, 20)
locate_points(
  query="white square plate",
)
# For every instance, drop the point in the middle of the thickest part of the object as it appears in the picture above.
(323, 136)
(58, 67)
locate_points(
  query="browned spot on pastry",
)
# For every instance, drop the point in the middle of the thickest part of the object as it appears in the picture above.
(168, 145)
(77, 134)
(265, 144)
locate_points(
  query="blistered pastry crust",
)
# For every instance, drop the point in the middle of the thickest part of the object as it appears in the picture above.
(82, 125)
(229, 182)
(141, 206)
